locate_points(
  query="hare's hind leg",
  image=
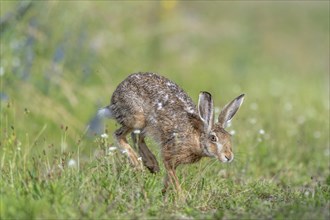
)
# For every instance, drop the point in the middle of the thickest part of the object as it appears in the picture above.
(120, 136)
(134, 140)
(148, 158)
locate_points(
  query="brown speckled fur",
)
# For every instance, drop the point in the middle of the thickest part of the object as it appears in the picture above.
(159, 108)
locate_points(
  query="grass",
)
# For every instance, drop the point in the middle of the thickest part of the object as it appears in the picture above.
(62, 60)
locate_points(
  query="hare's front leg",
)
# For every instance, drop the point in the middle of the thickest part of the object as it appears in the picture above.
(171, 178)
(120, 136)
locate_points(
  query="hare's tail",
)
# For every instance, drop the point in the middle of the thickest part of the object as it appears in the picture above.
(105, 112)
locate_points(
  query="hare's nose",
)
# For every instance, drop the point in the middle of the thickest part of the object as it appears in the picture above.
(229, 157)
(226, 157)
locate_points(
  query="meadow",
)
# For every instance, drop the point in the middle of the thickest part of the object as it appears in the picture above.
(61, 60)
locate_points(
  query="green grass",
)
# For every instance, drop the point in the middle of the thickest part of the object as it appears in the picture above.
(61, 61)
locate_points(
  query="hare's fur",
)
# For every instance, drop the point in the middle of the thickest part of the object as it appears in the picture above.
(149, 104)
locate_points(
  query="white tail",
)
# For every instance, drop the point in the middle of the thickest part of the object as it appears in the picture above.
(104, 112)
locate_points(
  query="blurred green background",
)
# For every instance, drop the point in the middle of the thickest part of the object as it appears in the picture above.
(61, 61)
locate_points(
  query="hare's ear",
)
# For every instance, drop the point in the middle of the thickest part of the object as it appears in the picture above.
(229, 111)
(205, 109)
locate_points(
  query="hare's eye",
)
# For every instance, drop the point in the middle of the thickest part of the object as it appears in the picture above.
(213, 138)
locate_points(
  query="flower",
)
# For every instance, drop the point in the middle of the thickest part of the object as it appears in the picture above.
(140, 158)
(112, 148)
(262, 131)
(72, 163)
(104, 135)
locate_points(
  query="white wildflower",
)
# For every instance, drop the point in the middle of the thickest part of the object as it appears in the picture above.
(140, 158)
(124, 152)
(306, 193)
(112, 148)
(72, 163)
(104, 135)
(262, 131)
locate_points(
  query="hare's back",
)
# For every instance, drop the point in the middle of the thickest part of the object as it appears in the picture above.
(144, 94)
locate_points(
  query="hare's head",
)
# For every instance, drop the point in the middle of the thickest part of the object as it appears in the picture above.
(214, 140)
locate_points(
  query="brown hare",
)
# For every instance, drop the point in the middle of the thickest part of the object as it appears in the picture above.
(149, 104)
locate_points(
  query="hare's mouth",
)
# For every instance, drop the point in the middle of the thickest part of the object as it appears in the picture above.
(226, 158)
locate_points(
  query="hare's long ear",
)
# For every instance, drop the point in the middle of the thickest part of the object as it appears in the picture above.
(205, 109)
(229, 111)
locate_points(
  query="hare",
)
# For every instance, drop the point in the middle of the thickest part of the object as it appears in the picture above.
(150, 104)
